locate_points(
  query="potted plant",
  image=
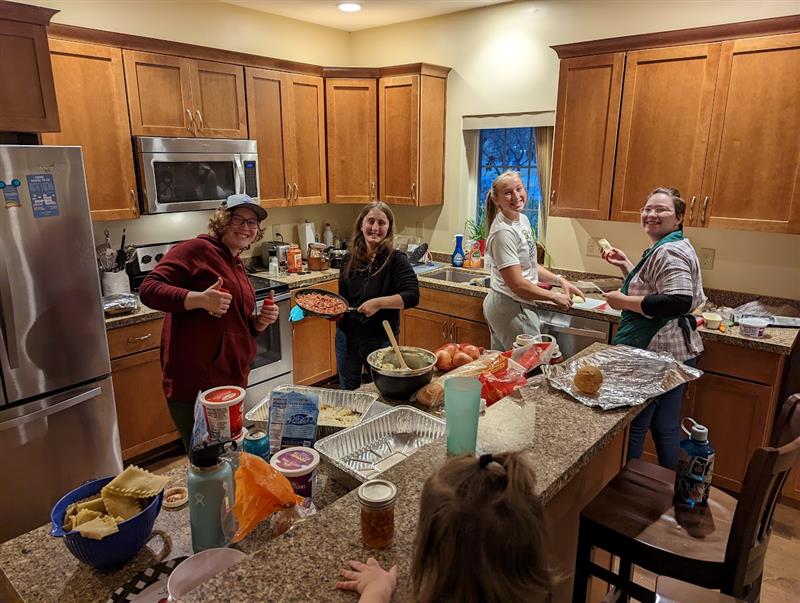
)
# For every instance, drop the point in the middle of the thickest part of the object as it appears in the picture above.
(476, 231)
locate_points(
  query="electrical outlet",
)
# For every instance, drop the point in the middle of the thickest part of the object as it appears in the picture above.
(706, 257)
(592, 247)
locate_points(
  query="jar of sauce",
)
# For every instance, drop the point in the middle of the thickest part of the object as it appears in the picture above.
(377, 498)
(294, 259)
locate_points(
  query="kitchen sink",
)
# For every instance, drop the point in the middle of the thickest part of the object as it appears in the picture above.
(454, 275)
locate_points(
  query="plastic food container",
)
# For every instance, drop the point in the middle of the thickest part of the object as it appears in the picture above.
(298, 465)
(713, 320)
(223, 408)
(752, 326)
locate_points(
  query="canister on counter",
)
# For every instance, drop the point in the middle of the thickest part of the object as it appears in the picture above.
(294, 259)
(377, 498)
(257, 443)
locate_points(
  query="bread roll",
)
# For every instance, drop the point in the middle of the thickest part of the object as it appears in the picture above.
(588, 379)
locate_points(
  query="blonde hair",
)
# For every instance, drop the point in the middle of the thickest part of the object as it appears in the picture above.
(491, 208)
(359, 253)
(219, 221)
(481, 513)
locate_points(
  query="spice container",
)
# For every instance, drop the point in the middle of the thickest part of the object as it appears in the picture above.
(377, 498)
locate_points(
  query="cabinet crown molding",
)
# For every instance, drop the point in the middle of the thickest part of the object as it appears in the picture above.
(14, 11)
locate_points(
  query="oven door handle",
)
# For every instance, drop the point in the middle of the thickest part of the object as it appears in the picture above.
(238, 177)
(280, 297)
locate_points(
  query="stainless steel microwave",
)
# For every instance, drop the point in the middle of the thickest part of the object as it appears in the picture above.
(187, 174)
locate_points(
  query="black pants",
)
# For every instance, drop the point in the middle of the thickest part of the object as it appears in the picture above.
(182, 414)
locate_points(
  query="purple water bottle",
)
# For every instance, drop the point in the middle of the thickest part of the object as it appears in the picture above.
(695, 466)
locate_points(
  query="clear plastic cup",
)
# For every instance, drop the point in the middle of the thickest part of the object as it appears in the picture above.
(462, 404)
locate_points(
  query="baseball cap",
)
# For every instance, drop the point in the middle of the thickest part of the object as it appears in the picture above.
(242, 200)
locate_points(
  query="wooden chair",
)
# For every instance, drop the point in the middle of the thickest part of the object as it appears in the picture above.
(720, 546)
(669, 590)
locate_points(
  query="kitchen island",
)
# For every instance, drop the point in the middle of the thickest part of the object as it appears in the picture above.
(574, 449)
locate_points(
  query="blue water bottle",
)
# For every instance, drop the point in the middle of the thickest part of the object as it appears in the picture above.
(458, 252)
(211, 497)
(695, 466)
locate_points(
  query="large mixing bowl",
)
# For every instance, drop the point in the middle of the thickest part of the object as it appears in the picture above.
(397, 384)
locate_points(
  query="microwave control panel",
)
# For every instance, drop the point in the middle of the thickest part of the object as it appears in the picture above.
(251, 178)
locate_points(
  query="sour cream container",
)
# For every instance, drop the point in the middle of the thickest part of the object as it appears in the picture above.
(223, 408)
(299, 465)
(752, 326)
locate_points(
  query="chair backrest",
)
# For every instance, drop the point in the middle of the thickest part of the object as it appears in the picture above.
(761, 491)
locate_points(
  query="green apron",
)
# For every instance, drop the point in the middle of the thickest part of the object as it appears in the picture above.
(637, 330)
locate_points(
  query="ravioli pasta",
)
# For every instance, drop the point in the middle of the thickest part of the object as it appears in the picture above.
(121, 499)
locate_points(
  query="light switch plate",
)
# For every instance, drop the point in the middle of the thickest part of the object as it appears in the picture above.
(706, 257)
(592, 247)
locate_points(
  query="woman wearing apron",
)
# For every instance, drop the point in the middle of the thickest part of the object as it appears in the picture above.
(656, 299)
(511, 258)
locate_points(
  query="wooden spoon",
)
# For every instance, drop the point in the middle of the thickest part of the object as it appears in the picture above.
(396, 347)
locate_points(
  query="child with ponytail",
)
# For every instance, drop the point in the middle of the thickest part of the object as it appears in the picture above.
(480, 537)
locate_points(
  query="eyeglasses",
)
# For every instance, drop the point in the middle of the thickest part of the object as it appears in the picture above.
(655, 209)
(238, 221)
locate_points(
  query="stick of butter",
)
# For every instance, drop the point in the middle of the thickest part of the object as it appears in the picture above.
(605, 245)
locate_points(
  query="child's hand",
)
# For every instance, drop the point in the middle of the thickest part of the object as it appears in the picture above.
(370, 580)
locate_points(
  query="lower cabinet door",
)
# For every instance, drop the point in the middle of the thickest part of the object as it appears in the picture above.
(475, 333)
(313, 355)
(424, 329)
(142, 413)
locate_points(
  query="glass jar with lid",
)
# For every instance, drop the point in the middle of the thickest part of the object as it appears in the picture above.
(377, 498)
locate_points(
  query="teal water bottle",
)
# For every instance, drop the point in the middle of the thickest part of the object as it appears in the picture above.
(695, 466)
(458, 252)
(211, 493)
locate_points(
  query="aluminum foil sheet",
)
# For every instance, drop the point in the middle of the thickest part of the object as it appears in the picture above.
(120, 303)
(359, 402)
(630, 376)
(365, 451)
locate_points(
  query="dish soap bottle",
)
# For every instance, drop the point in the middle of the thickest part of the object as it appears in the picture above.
(211, 494)
(695, 466)
(458, 252)
(327, 235)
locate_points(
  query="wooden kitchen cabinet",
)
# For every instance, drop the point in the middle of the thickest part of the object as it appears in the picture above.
(93, 109)
(587, 115)
(443, 317)
(665, 121)
(142, 414)
(352, 133)
(27, 94)
(751, 179)
(286, 116)
(313, 345)
(411, 125)
(175, 96)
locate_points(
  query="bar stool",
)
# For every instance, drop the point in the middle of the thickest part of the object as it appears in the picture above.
(720, 546)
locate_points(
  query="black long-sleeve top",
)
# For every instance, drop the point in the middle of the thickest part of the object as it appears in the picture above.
(397, 277)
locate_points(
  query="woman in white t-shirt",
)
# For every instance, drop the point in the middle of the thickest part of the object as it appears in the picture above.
(511, 256)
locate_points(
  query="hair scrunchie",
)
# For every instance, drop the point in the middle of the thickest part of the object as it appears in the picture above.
(485, 459)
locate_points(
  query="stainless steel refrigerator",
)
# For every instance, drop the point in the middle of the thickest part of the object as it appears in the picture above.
(58, 424)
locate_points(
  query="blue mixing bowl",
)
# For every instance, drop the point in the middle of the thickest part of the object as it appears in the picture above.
(113, 550)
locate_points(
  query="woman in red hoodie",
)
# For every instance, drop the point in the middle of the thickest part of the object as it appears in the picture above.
(210, 326)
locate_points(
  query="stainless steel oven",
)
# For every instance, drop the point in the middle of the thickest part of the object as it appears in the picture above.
(187, 174)
(272, 365)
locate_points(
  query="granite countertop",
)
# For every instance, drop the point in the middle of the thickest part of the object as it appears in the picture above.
(38, 567)
(558, 435)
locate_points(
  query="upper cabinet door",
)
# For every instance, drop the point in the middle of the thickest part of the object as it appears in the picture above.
(589, 90)
(664, 127)
(306, 139)
(218, 100)
(266, 114)
(90, 87)
(752, 178)
(352, 130)
(27, 94)
(398, 142)
(159, 94)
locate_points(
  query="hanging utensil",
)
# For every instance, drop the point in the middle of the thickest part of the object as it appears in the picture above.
(396, 347)
(120, 259)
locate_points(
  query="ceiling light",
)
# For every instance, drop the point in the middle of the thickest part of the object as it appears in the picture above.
(349, 7)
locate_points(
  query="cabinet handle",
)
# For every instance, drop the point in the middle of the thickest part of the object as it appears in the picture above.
(444, 330)
(413, 191)
(288, 191)
(553, 197)
(453, 332)
(190, 127)
(140, 338)
(691, 209)
(372, 190)
(703, 216)
(200, 118)
(133, 196)
(296, 193)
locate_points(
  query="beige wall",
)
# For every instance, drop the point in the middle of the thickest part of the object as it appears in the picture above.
(502, 63)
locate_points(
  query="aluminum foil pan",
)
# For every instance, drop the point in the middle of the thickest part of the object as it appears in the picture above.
(359, 402)
(120, 303)
(630, 376)
(363, 452)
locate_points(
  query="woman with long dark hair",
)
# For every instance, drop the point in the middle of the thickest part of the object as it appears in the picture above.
(379, 281)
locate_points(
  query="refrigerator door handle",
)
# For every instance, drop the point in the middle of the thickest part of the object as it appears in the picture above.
(7, 328)
(50, 410)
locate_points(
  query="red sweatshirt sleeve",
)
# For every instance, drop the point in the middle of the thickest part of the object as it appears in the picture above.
(166, 287)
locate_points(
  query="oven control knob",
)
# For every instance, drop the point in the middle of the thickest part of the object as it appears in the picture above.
(159, 256)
